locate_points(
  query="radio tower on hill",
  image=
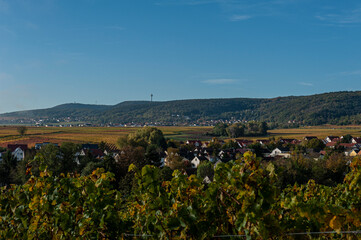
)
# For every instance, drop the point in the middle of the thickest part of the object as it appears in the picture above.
(151, 97)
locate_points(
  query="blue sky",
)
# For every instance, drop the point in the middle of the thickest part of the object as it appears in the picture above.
(109, 51)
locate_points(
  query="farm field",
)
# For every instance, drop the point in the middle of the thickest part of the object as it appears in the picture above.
(318, 131)
(9, 134)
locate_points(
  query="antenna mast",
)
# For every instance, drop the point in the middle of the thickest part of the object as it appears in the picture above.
(151, 97)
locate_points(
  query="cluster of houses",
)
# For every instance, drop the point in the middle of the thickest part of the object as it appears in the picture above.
(19, 151)
(202, 152)
(199, 151)
(351, 149)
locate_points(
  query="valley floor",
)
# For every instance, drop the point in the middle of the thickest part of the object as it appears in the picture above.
(9, 134)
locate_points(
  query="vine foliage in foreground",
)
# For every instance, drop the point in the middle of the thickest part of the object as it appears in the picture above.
(243, 199)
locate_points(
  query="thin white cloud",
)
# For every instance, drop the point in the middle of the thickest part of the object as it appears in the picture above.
(235, 18)
(238, 10)
(220, 81)
(306, 84)
(342, 18)
(351, 73)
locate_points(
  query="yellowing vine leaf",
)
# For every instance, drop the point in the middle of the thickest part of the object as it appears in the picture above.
(335, 224)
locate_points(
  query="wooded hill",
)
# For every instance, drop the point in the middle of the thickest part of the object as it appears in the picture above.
(327, 108)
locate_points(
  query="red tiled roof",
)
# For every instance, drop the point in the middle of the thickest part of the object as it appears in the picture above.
(331, 144)
(96, 152)
(347, 145)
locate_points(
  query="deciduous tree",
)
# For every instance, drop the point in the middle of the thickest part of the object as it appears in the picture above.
(22, 130)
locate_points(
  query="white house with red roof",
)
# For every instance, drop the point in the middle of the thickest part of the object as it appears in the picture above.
(18, 150)
(332, 139)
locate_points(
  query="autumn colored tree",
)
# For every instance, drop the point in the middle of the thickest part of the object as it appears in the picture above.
(173, 159)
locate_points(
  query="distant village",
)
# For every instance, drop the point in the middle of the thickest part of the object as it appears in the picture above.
(77, 122)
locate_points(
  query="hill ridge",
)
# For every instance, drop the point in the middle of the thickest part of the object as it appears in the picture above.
(342, 107)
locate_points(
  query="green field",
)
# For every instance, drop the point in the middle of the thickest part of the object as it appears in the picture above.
(9, 134)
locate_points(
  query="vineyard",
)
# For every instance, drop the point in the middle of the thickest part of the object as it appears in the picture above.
(9, 134)
(243, 199)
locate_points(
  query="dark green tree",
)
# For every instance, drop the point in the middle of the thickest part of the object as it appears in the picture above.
(229, 144)
(263, 127)
(144, 137)
(235, 130)
(346, 139)
(152, 155)
(205, 169)
(22, 130)
(67, 157)
(315, 144)
(129, 155)
(220, 129)
(7, 169)
(49, 156)
(215, 144)
(257, 149)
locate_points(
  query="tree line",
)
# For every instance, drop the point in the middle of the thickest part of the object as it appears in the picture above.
(239, 129)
